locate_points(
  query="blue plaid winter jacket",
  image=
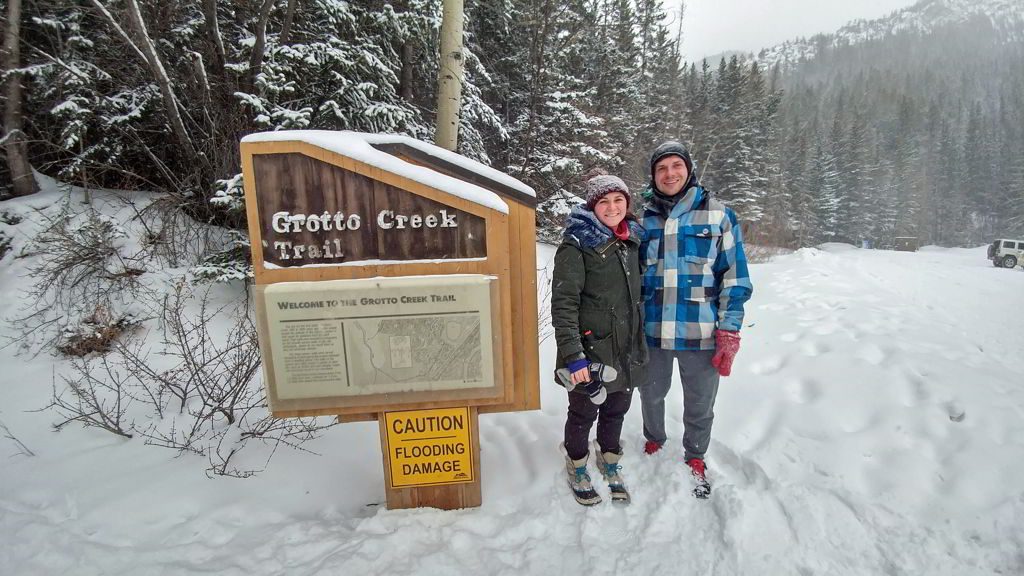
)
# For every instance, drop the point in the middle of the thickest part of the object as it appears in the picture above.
(696, 277)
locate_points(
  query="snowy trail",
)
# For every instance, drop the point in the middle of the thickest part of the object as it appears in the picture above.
(874, 424)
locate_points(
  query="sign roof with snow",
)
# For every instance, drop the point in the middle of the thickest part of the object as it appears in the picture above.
(379, 151)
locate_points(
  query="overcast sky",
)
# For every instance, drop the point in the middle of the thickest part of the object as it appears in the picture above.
(714, 26)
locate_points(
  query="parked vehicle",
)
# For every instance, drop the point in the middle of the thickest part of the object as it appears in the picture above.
(1006, 253)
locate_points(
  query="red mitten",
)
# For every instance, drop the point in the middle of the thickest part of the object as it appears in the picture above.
(727, 344)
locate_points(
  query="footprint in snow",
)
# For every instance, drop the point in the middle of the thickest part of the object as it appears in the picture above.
(915, 389)
(826, 328)
(873, 328)
(769, 365)
(956, 412)
(872, 354)
(803, 391)
(812, 348)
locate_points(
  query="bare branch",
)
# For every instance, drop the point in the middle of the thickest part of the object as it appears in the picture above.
(61, 63)
(117, 27)
(22, 449)
(95, 402)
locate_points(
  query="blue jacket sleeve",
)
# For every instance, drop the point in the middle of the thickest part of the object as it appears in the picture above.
(731, 275)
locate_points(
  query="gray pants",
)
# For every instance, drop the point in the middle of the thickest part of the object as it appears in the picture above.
(700, 387)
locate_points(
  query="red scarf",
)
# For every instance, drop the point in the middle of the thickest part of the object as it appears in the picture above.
(622, 230)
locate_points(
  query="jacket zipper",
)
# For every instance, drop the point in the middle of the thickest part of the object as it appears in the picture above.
(623, 256)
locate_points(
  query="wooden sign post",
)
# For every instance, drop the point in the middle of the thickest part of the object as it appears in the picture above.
(387, 271)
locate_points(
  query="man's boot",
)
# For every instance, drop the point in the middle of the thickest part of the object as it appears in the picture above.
(703, 488)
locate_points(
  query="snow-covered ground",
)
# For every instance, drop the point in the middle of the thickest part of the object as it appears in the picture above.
(874, 424)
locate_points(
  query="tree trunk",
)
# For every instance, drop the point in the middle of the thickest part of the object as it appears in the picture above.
(204, 85)
(449, 77)
(256, 61)
(408, 55)
(213, 30)
(14, 139)
(679, 31)
(289, 19)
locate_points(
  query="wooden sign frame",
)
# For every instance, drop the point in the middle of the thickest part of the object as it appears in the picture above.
(511, 257)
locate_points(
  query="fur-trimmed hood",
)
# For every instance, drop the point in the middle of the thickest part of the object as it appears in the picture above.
(587, 231)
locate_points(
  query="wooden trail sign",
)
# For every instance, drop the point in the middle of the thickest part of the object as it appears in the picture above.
(387, 271)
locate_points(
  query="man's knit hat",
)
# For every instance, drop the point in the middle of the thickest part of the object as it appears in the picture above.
(673, 148)
(600, 184)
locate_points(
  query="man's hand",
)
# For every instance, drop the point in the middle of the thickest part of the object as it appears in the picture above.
(727, 344)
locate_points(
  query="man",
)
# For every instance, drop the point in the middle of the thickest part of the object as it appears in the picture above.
(694, 286)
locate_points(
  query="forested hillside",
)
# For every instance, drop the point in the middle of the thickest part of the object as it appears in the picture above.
(907, 126)
(884, 129)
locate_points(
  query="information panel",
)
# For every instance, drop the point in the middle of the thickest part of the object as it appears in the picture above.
(429, 447)
(352, 338)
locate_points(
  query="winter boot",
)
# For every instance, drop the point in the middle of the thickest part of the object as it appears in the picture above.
(608, 464)
(579, 480)
(650, 447)
(703, 488)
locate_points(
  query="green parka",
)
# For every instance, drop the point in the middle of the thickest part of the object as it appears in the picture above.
(596, 305)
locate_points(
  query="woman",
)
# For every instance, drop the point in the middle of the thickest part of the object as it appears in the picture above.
(596, 311)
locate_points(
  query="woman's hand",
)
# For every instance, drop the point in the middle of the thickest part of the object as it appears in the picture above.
(579, 370)
(581, 376)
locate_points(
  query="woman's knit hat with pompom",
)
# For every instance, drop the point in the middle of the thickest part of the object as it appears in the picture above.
(600, 184)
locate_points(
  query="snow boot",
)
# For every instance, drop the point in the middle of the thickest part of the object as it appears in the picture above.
(703, 488)
(608, 464)
(599, 374)
(650, 447)
(579, 480)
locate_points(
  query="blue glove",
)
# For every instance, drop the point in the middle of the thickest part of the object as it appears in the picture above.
(577, 365)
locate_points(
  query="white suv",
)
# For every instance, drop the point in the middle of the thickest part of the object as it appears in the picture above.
(1006, 253)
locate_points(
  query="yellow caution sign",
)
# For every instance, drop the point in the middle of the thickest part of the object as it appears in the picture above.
(429, 447)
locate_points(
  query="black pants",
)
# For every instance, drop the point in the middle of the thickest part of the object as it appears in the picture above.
(581, 416)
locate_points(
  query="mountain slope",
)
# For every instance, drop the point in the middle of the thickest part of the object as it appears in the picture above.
(1005, 17)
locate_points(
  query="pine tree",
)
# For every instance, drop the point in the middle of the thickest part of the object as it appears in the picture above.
(977, 151)
(558, 135)
(731, 164)
(497, 34)
(823, 187)
(838, 160)
(614, 69)
(661, 111)
(791, 204)
(906, 170)
(855, 216)
(701, 90)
